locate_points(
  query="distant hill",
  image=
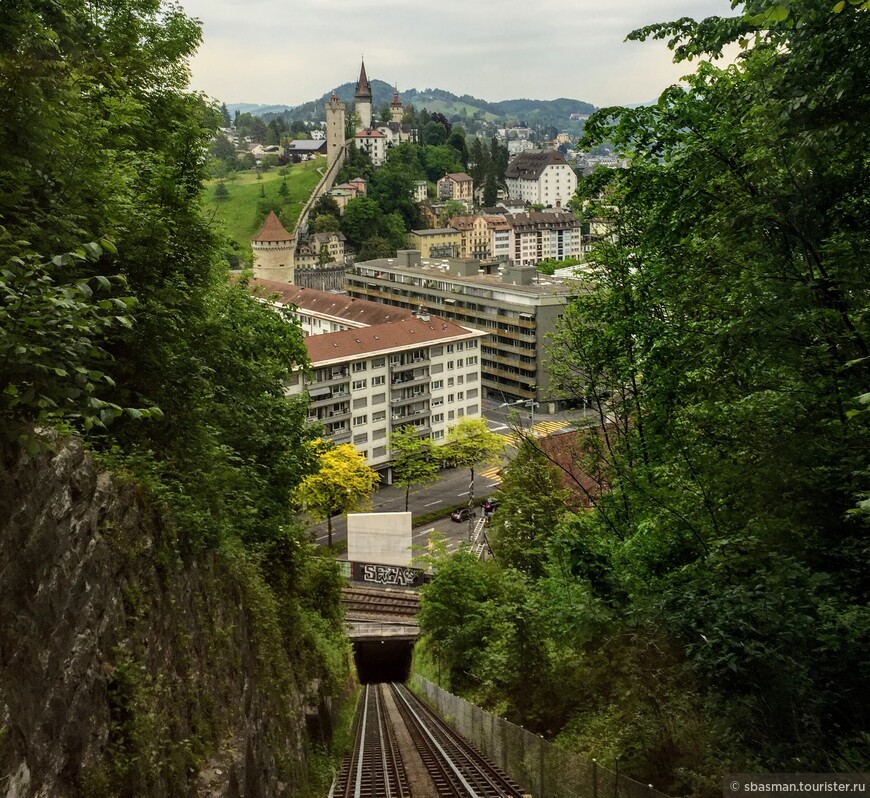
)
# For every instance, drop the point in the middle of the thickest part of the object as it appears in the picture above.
(472, 112)
(256, 110)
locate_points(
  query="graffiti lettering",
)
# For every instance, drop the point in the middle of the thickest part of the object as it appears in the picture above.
(390, 575)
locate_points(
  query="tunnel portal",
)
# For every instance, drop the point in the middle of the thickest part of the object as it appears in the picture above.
(382, 660)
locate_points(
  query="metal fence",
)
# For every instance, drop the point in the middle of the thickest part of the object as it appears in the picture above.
(543, 769)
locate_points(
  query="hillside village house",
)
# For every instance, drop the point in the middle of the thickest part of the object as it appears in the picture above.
(456, 186)
(375, 369)
(439, 242)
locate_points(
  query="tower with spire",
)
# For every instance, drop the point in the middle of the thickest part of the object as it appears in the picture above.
(363, 99)
(397, 110)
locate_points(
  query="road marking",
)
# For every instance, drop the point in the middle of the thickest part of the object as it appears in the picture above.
(501, 426)
(464, 493)
(435, 502)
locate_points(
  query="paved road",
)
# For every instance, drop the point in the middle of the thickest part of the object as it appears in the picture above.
(453, 484)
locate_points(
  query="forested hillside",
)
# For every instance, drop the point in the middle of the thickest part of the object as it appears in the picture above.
(709, 612)
(119, 326)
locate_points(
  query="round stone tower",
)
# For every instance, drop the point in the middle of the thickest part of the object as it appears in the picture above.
(274, 251)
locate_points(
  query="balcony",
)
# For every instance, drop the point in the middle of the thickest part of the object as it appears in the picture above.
(408, 380)
(321, 400)
(409, 363)
(399, 401)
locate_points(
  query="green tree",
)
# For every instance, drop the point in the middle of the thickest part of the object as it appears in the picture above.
(435, 134)
(375, 247)
(325, 206)
(325, 223)
(225, 115)
(221, 192)
(470, 444)
(413, 459)
(724, 346)
(531, 503)
(361, 220)
(343, 483)
(283, 189)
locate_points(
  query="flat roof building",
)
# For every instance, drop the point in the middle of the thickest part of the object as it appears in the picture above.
(516, 305)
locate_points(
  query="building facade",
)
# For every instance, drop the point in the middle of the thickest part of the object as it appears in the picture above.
(375, 369)
(542, 177)
(439, 242)
(516, 305)
(274, 251)
(456, 186)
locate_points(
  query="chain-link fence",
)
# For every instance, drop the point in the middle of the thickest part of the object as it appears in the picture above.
(544, 770)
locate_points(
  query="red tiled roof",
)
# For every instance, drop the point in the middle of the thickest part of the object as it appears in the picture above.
(370, 134)
(272, 230)
(339, 306)
(407, 332)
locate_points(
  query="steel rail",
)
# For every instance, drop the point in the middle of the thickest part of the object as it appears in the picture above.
(453, 763)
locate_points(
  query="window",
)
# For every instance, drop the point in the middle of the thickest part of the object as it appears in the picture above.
(472, 410)
(437, 418)
(361, 402)
(437, 384)
(379, 416)
(379, 451)
(460, 379)
(379, 380)
(471, 361)
(379, 433)
(294, 379)
(460, 396)
(436, 350)
(451, 397)
(363, 437)
(449, 348)
(359, 421)
(437, 435)
(379, 398)
(471, 393)
(450, 364)
(450, 382)
(437, 401)
(471, 345)
(379, 363)
(359, 366)
(459, 346)
(358, 385)
(450, 415)
(460, 412)
(471, 377)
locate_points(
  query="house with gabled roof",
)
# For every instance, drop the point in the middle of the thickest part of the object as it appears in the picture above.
(542, 177)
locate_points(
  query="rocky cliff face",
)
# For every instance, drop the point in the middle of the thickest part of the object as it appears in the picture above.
(122, 669)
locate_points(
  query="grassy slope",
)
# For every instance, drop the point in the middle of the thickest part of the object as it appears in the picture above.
(238, 213)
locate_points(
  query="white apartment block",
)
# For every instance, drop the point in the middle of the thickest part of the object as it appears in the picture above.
(375, 368)
(374, 143)
(543, 178)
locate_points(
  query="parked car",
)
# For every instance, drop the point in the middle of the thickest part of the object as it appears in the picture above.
(462, 514)
(489, 505)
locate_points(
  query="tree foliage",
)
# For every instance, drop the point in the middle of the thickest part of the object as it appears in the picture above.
(710, 613)
(342, 483)
(470, 444)
(414, 461)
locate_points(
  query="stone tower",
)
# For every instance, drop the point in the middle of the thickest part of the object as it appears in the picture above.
(334, 129)
(397, 110)
(363, 99)
(274, 251)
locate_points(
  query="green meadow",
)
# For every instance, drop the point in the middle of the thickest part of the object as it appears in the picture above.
(237, 214)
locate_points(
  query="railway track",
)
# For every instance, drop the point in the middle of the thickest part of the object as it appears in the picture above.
(379, 603)
(454, 767)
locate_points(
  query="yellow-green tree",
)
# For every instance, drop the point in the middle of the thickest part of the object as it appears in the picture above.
(471, 444)
(342, 483)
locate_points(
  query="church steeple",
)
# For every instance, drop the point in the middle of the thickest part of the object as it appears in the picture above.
(363, 87)
(363, 99)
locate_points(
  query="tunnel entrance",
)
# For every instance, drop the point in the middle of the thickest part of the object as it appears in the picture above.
(382, 660)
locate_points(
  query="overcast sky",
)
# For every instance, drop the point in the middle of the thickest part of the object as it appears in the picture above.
(279, 52)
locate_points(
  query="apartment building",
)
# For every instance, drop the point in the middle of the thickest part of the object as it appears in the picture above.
(524, 238)
(543, 235)
(376, 368)
(516, 305)
(542, 177)
(439, 242)
(456, 186)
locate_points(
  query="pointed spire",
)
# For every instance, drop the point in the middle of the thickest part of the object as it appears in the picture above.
(272, 230)
(363, 87)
